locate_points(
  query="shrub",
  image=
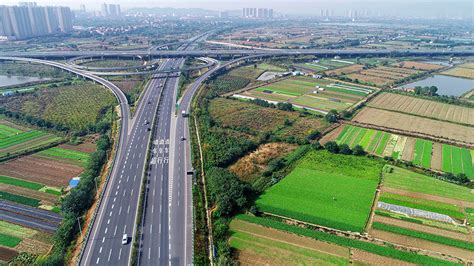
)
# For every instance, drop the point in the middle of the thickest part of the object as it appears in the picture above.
(332, 147)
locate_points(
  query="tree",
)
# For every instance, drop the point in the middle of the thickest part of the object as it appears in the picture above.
(331, 116)
(358, 150)
(314, 135)
(332, 147)
(285, 107)
(345, 149)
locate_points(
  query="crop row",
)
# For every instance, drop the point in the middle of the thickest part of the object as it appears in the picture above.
(347, 242)
(425, 236)
(420, 152)
(20, 138)
(6, 131)
(19, 199)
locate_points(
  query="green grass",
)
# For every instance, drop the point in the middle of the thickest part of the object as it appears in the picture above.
(20, 183)
(425, 236)
(446, 165)
(60, 153)
(323, 187)
(6, 131)
(347, 242)
(282, 252)
(382, 143)
(422, 204)
(19, 199)
(279, 91)
(20, 138)
(404, 179)
(9, 241)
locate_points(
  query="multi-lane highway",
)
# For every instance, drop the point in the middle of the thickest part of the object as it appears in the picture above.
(243, 52)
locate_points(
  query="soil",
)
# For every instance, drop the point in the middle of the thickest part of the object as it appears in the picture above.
(416, 125)
(45, 198)
(288, 238)
(424, 228)
(407, 154)
(33, 246)
(374, 259)
(331, 135)
(257, 161)
(7, 254)
(422, 244)
(41, 170)
(86, 147)
(437, 157)
(460, 203)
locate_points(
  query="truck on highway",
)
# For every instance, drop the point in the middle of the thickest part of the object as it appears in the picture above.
(184, 114)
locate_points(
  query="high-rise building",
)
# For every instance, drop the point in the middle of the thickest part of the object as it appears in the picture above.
(110, 10)
(29, 20)
(82, 8)
(257, 12)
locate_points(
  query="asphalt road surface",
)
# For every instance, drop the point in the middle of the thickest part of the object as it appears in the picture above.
(117, 212)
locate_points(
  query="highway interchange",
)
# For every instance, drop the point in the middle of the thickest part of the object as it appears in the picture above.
(167, 224)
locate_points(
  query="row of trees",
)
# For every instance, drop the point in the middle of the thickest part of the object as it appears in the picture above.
(75, 204)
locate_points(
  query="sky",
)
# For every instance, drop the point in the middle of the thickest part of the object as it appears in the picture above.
(306, 7)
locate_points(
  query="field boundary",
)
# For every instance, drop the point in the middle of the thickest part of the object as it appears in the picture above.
(414, 134)
(365, 237)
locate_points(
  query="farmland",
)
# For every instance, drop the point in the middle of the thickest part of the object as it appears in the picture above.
(424, 153)
(415, 124)
(15, 239)
(294, 195)
(78, 106)
(257, 243)
(56, 153)
(382, 75)
(311, 93)
(461, 71)
(17, 139)
(425, 108)
(392, 255)
(325, 64)
(419, 65)
(256, 119)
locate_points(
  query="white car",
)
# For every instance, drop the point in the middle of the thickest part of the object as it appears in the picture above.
(124, 239)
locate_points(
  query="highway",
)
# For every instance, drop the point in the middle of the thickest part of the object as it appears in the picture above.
(167, 223)
(241, 52)
(117, 213)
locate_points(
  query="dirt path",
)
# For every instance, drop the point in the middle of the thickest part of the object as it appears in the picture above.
(422, 244)
(424, 228)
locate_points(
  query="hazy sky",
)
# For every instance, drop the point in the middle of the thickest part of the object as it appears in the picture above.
(287, 6)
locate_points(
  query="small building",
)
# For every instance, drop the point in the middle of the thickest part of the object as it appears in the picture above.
(74, 182)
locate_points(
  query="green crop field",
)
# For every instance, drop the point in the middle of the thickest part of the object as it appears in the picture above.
(78, 157)
(20, 138)
(428, 205)
(375, 140)
(347, 242)
(20, 183)
(14, 230)
(6, 131)
(404, 179)
(319, 94)
(425, 236)
(316, 193)
(19, 199)
(282, 252)
(9, 241)
(423, 153)
(457, 160)
(382, 143)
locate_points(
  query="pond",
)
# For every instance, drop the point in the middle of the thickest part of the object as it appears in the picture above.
(16, 80)
(447, 85)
